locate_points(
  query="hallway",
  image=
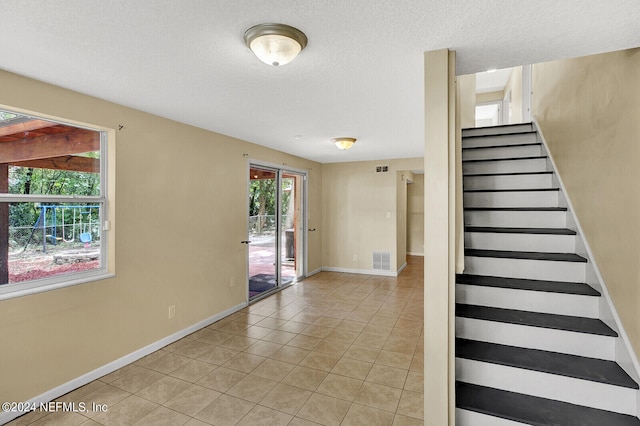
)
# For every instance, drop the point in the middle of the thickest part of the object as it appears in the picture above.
(332, 349)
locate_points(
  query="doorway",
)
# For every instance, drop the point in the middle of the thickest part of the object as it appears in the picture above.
(276, 236)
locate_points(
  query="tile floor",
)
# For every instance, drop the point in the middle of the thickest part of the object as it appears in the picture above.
(334, 349)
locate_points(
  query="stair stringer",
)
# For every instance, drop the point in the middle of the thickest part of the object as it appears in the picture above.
(625, 356)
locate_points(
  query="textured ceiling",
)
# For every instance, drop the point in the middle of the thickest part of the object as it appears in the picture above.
(361, 74)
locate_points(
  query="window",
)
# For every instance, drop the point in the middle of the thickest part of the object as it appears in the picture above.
(52, 204)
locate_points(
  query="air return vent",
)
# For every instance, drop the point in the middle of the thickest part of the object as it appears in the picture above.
(382, 169)
(382, 260)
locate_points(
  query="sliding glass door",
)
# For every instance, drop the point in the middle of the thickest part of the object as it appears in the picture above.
(276, 229)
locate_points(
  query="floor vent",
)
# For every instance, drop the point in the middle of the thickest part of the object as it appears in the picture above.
(382, 260)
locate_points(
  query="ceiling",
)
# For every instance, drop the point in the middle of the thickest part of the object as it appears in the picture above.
(361, 74)
(491, 81)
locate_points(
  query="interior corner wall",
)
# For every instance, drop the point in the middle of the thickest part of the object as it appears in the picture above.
(415, 216)
(514, 85)
(403, 181)
(466, 101)
(181, 196)
(359, 213)
(489, 96)
(589, 111)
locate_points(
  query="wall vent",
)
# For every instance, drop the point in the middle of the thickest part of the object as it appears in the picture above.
(382, 260)
(382, 169)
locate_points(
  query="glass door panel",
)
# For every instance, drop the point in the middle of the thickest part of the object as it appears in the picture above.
(276, 228)
(289, 232)
(263, 229)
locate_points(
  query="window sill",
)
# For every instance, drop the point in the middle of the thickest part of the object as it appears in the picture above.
(11, 291)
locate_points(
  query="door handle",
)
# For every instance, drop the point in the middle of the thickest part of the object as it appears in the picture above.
(312, 229)
(245, 242)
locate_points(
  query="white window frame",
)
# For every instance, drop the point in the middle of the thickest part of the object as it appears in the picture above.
(106, 269)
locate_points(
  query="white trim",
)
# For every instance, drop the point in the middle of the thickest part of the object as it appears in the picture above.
(315, 271)
(401, 268)
(35, 198)
(361, 271)
(409, 253)
(629, 362)
(56, 392)
(26, 288)
(29, 287)
(277, 166)
(526, 93)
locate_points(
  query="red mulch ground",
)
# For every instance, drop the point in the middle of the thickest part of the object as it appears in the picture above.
(36, 267)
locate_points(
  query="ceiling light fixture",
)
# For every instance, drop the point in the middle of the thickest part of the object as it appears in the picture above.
(275, 44)
(344, 143)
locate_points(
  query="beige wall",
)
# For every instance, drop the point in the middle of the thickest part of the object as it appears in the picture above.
(489, 96)
(466, 100)
(415, 215)
(181, 196)
(589, 111)
(359, 212)
(403, 179)
(514, 85)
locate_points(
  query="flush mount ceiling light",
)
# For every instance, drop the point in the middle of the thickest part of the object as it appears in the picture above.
(344, 143)
(275, 44)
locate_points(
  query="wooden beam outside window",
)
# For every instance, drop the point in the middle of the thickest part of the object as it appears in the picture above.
(65, 162)
(28, 126)
(48, 146)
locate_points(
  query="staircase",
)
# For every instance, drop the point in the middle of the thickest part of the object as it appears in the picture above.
(531, 347)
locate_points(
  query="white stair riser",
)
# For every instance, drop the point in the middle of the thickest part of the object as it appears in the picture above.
(582, 344)
(550, 386)
(526, 300)
(511, 199)
(471, 142)
(516, 219)
(472, 418)
(498, 130)
(516, 151)
(509, 181)
(526, 268)
(505, 166)
(520, 242)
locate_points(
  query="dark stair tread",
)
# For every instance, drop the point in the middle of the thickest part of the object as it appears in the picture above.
(503, 146)
(488, 135)
(526, 284)
(534, 410)
(545, 172)
(515, 190)
(506, 230)
(519, 209)
(536, 319)
(530, 255)
(579, 367)
(536, 157)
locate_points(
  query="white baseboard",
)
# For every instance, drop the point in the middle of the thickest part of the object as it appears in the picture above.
(315, 271)
(56, 392)
(361, 271)
(415, 254)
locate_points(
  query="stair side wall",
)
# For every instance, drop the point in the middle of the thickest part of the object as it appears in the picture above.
(624, 353)
(588, 109)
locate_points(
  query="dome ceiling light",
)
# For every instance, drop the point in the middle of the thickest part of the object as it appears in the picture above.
(344, 143)
(275, 44)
